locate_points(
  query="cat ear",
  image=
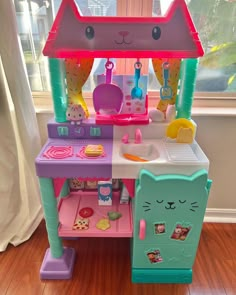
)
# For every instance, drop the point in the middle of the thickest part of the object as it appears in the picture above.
(200, 178)
(146, 177)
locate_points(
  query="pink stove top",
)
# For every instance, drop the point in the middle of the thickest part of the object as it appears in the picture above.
(59, 152)
(66, 158)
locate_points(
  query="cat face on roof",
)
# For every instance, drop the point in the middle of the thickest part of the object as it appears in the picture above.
(171, 35)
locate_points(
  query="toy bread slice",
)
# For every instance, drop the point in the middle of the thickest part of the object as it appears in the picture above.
(174, 126)
(94, 150)
(185, 135)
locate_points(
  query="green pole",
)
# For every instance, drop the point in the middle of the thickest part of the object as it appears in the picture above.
(58, 87)
(187, 85)
(51, 216)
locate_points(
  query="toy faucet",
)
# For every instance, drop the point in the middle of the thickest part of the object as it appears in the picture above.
(138, 136)
(125, 138)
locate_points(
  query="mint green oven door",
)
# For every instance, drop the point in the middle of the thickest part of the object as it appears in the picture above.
(168, 215)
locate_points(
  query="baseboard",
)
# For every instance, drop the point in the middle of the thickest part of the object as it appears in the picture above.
(220, 215)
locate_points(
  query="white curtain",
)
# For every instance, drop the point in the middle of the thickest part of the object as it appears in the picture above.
(20, 207)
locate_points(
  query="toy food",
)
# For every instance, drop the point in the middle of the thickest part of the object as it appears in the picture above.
(94, 150)
(81, 224)
(134, 158)
(103, 224)
(185, 135)
(174, 126)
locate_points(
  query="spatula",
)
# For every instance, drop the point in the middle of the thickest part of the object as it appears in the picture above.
(137, 92)
(166, 90)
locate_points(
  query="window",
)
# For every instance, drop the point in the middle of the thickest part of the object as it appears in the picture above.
(34, 19)
(215, 21)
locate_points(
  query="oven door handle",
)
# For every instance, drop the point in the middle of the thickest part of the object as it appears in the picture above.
(142, 229)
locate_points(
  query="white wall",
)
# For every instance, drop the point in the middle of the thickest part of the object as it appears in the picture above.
(217, 137)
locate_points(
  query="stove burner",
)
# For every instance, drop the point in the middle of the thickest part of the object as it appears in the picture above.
(81, 154)
(58, 152)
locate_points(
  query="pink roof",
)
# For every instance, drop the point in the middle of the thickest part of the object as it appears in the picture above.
(73, 35)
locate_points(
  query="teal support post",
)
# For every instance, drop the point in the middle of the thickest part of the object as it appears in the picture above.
(65, 189)
(51, 216)
(184, 100)
(58, 87)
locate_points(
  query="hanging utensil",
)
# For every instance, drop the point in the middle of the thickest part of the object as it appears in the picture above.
(107, 97)
(166, 90)
(136, 92)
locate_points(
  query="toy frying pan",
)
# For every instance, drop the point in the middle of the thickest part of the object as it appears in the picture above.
(137, 92)
(107, 97)
(165, 90)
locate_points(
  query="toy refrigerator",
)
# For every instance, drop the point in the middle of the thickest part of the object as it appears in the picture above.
(168, 216)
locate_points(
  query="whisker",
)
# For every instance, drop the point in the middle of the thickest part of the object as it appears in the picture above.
(146, 206)
(148, 203)
(192, 210)
(195, 206)
(193, 203)
(147, 210)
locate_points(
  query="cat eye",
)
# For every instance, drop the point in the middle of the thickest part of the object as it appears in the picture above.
(89, 32)
(182, 202)
(156, 33)
(159, 201)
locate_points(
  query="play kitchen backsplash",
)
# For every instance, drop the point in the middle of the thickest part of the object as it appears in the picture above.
(127, 83)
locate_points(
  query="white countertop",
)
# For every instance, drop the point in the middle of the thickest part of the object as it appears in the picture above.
(165, 158)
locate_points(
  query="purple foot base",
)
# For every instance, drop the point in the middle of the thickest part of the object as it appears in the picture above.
(58, 268)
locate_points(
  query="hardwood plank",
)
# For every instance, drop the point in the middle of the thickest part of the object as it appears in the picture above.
(214, 268)
(227, 274)
(103, 267)
(216, 236)
(109, 272)
(205, 277)
(8, 269)
(16, 260)
(25, 280)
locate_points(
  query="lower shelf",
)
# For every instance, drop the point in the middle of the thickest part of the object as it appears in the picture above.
(70, 206)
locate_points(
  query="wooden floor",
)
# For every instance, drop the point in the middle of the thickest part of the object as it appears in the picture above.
(103, 267)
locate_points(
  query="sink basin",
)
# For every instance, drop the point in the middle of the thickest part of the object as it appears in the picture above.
(146, 151)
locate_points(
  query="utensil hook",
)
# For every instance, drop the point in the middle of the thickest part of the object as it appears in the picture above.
(137, 66)
(109, 65)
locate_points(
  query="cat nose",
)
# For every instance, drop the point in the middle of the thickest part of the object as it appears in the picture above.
(124, 33)
(170, 203)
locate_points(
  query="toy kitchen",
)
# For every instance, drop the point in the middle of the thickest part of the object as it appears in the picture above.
(125, 170)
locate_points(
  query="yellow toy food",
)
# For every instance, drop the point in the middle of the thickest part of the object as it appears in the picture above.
(185, 135)
(94, 150)
(103, 224)
(174, 127)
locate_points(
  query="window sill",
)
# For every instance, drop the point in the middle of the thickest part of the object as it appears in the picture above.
(196, 111)
(201, 107)
(214, 111)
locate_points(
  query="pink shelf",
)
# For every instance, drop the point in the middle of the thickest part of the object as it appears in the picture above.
(69, 211)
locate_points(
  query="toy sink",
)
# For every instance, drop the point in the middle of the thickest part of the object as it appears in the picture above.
(162, 157)
(139, 152)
